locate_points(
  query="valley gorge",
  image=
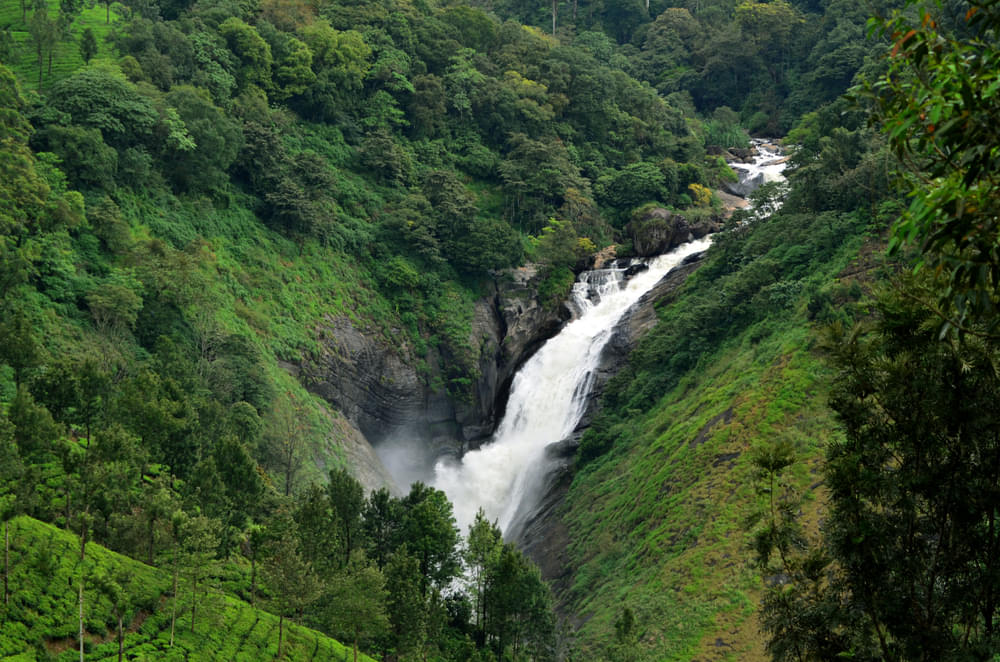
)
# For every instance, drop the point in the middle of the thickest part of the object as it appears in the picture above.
(433, 331)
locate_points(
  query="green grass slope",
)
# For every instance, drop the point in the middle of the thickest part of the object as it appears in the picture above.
(659, 523)
(41, 620)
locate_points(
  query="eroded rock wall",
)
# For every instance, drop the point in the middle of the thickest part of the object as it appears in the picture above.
(381, 392)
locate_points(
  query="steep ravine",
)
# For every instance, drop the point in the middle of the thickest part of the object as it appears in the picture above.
(392, 412)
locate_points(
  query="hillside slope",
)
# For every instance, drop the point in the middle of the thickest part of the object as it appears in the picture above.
(657, 519)
(41, 620)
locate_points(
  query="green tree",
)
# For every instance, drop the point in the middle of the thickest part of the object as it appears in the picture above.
(243, 489)
(431, 535)
(293, 72)
(936, 102)
(405, 606)
(519, 607)
(911, 569)
(319, 532)
(116, 587)
(382, 520)
(35, 431)
(216, 137)
(197, 559)
(88, 45)
(85, 156)
(288, 576)
(20, 349)
(101, 97)
(481, 555)
(253, 52)
(43, 33)
(15, 490)
(284, 439)
(356, 599)
(347, 498)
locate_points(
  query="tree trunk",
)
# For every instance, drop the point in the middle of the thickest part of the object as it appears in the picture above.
(83, 540)
(355, 645)
(289, 458)
(107, 11)
(555, 9)
(6, 560)
(81, 618)
(281, 631)
(194, 600)
(173, 607)
(121, 638)
(149, 553)
(253, 579)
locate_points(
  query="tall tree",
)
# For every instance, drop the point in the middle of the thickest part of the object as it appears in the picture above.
(481, 555)
(356, 599)
(20, 349)
(198, 543)
(319, 532)
(912, 534)
(431, 535)
(116, 587)
(14, 492)
(288, 576)
(381, 522)
(43, 33)
(520, 607)
(405, 606)
(347, 498)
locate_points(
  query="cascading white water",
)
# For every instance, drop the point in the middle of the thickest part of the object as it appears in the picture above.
(768, 166)
(548, 397)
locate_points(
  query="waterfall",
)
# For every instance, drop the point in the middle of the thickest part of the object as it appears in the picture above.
(548, 397)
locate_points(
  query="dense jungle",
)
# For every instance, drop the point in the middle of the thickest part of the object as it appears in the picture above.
(273, 274)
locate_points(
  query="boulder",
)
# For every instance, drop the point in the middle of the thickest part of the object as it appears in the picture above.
(747, 184)
(660, 230)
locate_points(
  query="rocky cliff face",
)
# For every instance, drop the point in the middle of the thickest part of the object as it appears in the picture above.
(380, 391)
(510, 324)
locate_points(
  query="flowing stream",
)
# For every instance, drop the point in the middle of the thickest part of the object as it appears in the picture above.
(768, 166)
(548, 397)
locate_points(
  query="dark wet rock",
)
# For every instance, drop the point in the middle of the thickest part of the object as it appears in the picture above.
(660, 231)
(636, 269)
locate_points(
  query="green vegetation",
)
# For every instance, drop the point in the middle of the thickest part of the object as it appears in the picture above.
(193, 194)
(906, 565)
(40, 618)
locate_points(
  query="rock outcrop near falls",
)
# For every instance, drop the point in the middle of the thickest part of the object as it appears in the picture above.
(660, 231)
(380, 390)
